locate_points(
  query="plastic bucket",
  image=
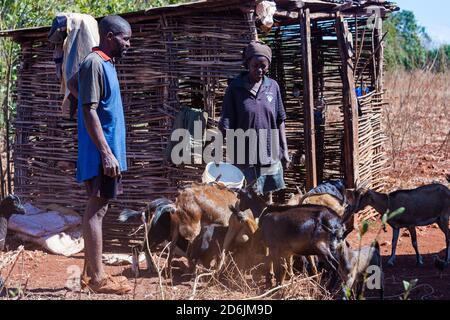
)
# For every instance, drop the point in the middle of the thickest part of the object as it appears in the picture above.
(230, 175)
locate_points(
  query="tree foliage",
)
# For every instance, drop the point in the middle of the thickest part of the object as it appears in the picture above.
(407, 45)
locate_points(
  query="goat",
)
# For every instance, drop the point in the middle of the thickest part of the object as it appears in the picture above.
(354, 265)
(235, 238)
(423, 206)
(157, 220)
(293, 230)
(248, 198)
(198, 206)
(8, 206)
(330, 193)
(303, 230)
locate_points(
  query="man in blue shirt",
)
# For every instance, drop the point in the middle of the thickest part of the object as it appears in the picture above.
(101, 144)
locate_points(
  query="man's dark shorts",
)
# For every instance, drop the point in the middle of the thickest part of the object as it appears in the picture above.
(104, 187)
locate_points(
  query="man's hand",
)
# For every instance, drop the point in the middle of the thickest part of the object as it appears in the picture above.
(110, 165)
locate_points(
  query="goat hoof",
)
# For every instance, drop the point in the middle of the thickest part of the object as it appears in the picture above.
(391, 263)
(420, 263)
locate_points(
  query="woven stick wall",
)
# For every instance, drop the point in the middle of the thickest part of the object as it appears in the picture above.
(167, 57)
(173, 60)
(286, 68)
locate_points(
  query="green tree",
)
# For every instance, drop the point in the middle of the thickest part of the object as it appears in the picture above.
(405, 41)
(440, 58)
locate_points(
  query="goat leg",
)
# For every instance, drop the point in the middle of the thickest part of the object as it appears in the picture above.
(419, 259)
(229, 237)
(278, 268)
(145, 247)
(135, 261)
(269, 266)
(443, 225)
(395, 234)
(289, 261)
(173, 245)
(312, 262)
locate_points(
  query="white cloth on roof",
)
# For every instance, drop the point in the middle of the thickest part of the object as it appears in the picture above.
(265, 11)
(82, 36)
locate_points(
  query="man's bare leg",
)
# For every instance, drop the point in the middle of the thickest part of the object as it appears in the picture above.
(93, 237)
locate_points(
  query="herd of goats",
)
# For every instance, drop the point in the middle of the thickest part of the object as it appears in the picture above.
(209, 221)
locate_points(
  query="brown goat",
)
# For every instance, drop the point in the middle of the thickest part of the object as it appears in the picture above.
(215, 241)
(293, 230)
(197, 206)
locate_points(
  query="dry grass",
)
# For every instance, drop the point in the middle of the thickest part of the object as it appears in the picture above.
(417, 125)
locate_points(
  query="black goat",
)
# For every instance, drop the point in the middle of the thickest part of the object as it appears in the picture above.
(8, 206)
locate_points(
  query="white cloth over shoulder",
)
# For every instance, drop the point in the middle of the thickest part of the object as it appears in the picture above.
(82, 36)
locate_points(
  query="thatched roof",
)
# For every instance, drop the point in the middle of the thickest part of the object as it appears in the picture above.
(285, 7)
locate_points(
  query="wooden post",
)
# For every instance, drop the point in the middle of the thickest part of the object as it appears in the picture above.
(308, 101)
(7, 123)
(350, 104)
(379, 56)
(2, 185)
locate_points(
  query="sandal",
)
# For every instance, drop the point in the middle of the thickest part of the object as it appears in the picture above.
(111, 285)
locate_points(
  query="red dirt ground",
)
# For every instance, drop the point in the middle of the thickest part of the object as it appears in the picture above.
(48, 274)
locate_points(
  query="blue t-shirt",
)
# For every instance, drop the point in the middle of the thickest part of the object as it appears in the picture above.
(98, 83)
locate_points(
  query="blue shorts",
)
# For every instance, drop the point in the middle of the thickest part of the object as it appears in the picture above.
(266, 182)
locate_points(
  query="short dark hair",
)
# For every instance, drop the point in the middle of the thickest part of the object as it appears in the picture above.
(114, 24)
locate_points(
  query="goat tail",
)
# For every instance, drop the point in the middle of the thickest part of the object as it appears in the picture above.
(127, 214)
(159, 207)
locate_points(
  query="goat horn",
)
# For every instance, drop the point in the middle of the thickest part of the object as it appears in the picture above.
(251, 184)
(218, 178)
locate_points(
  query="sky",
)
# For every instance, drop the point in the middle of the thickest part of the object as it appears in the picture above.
(434, 15)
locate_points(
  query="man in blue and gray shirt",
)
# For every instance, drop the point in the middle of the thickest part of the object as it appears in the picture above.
(101, 145)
